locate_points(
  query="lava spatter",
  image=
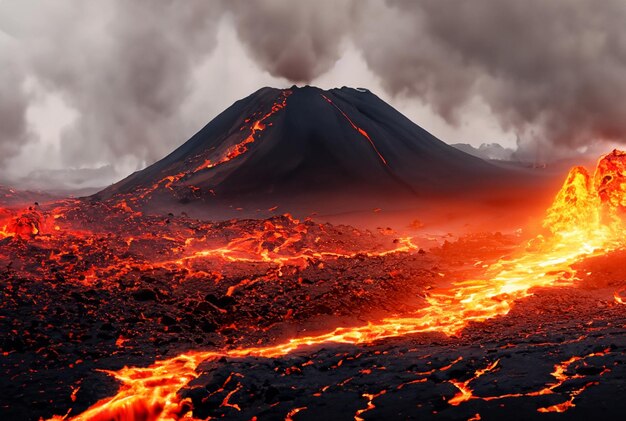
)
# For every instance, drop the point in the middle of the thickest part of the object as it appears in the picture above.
(24, 224)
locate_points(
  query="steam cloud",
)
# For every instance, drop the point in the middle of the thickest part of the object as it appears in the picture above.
(13, 105)
(553, 71)
(123, 65)
(557, 66)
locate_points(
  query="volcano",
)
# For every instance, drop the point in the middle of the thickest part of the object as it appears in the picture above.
(115, 312)
(307, 147)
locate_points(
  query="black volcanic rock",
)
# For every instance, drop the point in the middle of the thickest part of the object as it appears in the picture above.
(289, 146)
(144, 295)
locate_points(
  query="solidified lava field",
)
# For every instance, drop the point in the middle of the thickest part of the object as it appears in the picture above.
(108, 313)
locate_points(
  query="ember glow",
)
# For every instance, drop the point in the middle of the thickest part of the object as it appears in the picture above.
(241, 147)
(248, 133)
(358, 129)
(585, 220)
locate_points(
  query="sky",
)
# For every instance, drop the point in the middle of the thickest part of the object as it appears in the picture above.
(92, 90)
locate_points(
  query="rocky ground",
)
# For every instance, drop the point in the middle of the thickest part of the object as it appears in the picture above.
(98, 288)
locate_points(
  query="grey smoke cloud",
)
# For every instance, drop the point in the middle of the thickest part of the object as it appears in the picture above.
(557, 67)
(125, 66)
(551, 71)
(294, 40)
(13, 104)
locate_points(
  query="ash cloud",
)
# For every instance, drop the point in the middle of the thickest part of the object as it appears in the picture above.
(553, 72)
(126, 69)
(14, 132)
(550, 71)
(553, 68)
(492, 151)
(294, 40)
(124, 66)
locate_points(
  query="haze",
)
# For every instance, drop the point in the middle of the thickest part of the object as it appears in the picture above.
(91, 91)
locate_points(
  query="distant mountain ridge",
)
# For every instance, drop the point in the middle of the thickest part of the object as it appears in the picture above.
(493, 151)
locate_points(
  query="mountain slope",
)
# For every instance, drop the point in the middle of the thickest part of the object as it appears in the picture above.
(303, 145)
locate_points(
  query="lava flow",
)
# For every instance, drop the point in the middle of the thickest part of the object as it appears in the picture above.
(358, 129)
(253, 125)
(585, 220)
(241, 147)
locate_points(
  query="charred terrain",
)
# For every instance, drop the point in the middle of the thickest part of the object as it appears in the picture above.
(309, 150)
(112, 307)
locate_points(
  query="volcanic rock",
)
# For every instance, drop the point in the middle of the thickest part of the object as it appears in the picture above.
(144, 295)
(304, 148)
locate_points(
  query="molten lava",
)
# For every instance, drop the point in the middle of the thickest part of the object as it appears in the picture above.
(584, 221)
(231, 152)
(241, 147)
(26, 224)
(358, 129)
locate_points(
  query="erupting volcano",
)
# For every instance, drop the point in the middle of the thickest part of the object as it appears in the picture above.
(304, 149)
(118, 307)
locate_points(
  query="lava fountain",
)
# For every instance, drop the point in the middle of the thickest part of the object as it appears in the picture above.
(584, 220)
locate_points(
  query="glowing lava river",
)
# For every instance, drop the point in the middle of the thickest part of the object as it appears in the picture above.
(521, 321)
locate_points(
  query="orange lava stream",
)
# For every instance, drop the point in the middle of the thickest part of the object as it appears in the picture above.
(250, 250)
(294, 411)
(560, 375)
(241, 147)
(253, 247)
(230, 153)
(4, 232)
(370, 404)
(358, 129)
(584, 220)
(465, 392)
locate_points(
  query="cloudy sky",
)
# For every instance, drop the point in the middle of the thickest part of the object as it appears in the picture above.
(91, 90)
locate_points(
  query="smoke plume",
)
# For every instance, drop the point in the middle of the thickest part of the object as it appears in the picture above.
(557, 67)
(552, 72)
